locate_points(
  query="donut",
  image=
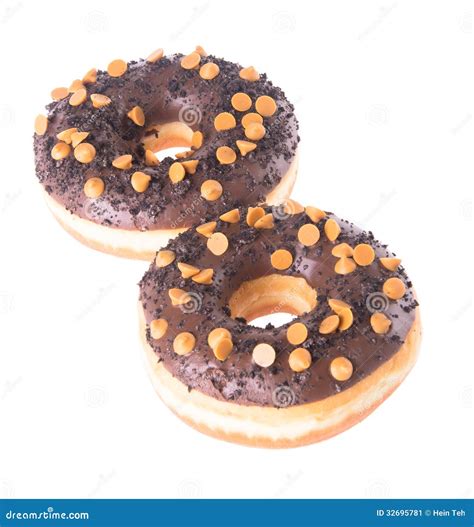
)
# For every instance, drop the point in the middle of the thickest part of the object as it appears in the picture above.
(354, 339)
(95, 149)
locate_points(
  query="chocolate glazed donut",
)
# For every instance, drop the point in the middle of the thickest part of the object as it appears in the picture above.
(355, 338)
(95, 150)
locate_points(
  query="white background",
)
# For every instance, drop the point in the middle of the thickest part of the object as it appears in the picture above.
(383, 90)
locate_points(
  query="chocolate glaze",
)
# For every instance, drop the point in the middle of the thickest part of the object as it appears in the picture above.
(163, 90)
(239, 379)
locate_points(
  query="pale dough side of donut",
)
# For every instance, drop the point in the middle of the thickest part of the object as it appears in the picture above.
(282, 427)
(141, 245)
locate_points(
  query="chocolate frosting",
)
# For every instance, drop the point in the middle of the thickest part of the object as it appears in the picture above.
(167, 93)
(238, 378)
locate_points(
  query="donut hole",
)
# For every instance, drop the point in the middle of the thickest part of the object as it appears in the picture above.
(168, 139)
(267, 296)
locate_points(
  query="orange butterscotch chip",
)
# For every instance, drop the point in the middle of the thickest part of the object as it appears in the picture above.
(264, 355)
(329, 324)
(241, 102)
(332, 229)
(176, 172)
(255, 131)
(137, 116)
(281, 259)
(297, 333)
(94, 187)
(117, 68)
(184, 343)
(250, 118)
(390, 263)
(206, 229)
(224, 121)
(265, 106)
(155, 56)
(211, 190)
(59, 93)
(75, 85)
(223, 349)
(199, 49)
(209, 71)
(308, 234)
(123, 162)
(233, 216)
(299, 360)
(265, 222)
(342, 249)
(290, 206)
(380, 323)
(84, 153)
(337, 305)
(341, 369)
(60, 151)
(99, 100)
(254, 214)
(225, 155)
(346, 318)
(216, 335)
(204, 277)
(197, 139)
(363, 254)
(191, 61)
(315, 214)
(78, 97)
(66, 135)
(187, 270)
(190, 166)
(218, 243)
(41, 124)
(394, 288)
(245, 147)
(158, 328)
(140, 181)
(345, 265)
(184, 154)
(90, 77)
(164, 258)
(150, 159)
(178, 297)
(249, 74)
(78, 137)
